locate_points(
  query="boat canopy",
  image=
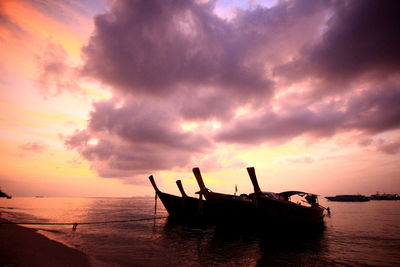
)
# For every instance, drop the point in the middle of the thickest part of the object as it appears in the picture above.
(287, 194)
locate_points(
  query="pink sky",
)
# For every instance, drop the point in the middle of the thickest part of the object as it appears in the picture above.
(97, 96)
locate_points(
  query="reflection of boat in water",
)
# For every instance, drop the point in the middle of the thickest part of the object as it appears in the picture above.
(266, 207)
(378, 196)
(348, 198)
(182, 207)
(247, 246)
(3, 194)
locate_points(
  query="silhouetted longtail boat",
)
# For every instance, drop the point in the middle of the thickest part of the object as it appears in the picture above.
(264, 207)
(183, 207)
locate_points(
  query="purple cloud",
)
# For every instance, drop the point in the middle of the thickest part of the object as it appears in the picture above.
(372, 111)
(390, 148)
(361, 37)
(34, 146)
(173, 62)
(135, 138)
(182, 51)
(155, 47)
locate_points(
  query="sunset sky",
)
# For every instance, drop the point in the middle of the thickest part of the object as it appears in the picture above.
(95, 96)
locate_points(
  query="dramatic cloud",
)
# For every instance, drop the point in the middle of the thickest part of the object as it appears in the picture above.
(155, 47)
(265, 75)
(135, 138)
(35, 146)
(183, 51)
(361, 37)
(372, 111)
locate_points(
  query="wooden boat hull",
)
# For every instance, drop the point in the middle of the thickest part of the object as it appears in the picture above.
(183, 207)
(264, 210)
(286, 212)
(229, 207)
(260, 208)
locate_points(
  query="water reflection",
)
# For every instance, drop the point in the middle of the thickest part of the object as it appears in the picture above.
(356, 234)
(237, 246)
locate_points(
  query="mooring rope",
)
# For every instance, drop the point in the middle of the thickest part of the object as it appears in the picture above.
(155, 204)
(75, 224)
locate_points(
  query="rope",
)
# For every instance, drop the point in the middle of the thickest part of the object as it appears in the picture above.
(75, 223)
(155, 204)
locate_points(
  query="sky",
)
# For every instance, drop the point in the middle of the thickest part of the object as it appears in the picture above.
(96, 95)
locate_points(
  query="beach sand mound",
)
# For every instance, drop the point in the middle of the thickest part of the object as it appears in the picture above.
(20, 246)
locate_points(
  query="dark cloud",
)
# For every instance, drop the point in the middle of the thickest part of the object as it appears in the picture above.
(154, 47)
(365, 141)
(391, 148)
(279, 128)
(361, 37)
(135, 138)
(34, 146)
(171, 62)
(182, 49)
(375, 110)
(372, 111)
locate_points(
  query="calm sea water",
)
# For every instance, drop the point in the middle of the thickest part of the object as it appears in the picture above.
(366, 234)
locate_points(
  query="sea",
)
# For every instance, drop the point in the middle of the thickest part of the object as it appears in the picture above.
(355, 234)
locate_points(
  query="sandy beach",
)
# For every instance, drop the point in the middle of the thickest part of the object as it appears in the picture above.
(20, 246)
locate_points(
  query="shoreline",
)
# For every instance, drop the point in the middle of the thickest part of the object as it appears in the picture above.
(21, 246)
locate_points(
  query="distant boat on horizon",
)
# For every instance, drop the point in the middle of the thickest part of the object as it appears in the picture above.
(349, 198)
(2, 194)
(384, 196)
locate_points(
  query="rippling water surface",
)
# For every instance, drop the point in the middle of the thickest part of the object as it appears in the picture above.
(356, 234)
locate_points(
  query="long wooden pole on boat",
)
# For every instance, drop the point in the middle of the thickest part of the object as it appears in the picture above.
(253, 178)
(199, 179)
(153, 183)
(183, 193)
(179, 184)
(203, 188)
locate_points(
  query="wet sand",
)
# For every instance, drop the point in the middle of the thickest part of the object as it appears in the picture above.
(20, 246)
